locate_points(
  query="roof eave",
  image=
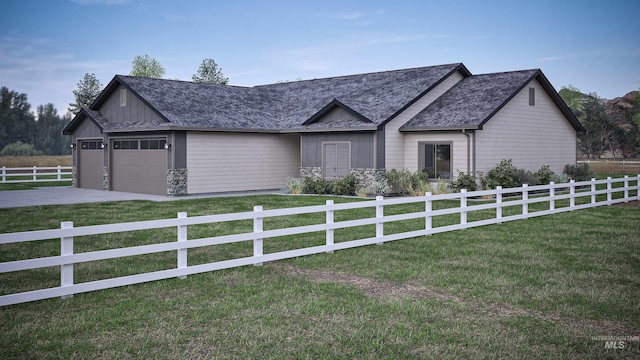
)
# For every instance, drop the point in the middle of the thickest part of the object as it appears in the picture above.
(439, 128)
(335, 103)
(75, 122)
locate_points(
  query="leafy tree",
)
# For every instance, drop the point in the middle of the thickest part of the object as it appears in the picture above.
(599, 128)
(16, 121)
(19, 148)
(88, 90)
(209, 72)
(49, 138)
(572, 96)
(145, 66)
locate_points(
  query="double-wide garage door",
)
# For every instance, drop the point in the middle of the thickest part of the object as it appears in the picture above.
(139, 166)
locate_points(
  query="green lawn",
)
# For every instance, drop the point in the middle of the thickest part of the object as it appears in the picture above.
(537, 288)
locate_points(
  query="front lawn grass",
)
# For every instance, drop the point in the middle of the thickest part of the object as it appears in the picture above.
(537, 288)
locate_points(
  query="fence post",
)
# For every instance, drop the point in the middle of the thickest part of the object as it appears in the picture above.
(4, 174)
(638, 187)
(35, 172)
(257, 228)
(608, 190)
(428, 207)
(379, 216)
(66, 248)
(329, 218)
(552, 195)
(182, 237)
(499, 203)
(525, 198)
(593, 190)
(463, 206)
(626, 188)
(59, 172)
(572, 193)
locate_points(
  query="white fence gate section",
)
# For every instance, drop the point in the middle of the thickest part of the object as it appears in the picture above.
(625, 190)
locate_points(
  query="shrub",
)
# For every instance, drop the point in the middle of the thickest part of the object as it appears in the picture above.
(504, 174)
(378, 187)
(19, 148)
(344, 186)
(464, 181)
(559, 178)
(578, 172)
(544, 175)
(441, 187)
(526, 177)
(317, 186)
(294, 185)
(393, 180)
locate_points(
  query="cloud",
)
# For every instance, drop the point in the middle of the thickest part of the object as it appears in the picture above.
(360, 18)
(45, 74)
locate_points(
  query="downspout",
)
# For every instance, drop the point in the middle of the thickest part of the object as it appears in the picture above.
(464, 132)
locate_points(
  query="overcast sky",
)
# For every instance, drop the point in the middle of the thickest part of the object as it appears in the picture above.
(47, 46)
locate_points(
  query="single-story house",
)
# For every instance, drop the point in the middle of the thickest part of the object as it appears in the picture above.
(173, 137)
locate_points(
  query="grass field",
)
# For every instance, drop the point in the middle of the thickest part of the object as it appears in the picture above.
(28, 161)
(538, 288)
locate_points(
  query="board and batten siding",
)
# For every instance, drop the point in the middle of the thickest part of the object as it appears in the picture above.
(219, 162)
(394, 139)
(531, 136)
(134, 110)
(457, 140)
(362, 148)
(87, 129)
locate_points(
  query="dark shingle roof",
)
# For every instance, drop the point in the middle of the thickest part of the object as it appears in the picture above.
(472, 101)
(375, 97)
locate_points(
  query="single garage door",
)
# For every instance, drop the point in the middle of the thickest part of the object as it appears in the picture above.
(139, 166)
(90, 162)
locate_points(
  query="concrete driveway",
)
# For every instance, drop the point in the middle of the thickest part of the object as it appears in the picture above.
(58, 195)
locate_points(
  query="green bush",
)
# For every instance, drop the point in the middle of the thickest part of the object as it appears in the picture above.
(544, 175)
(578, 172)
(19, 148)
(504, 174)
(527, 177)
(344, 186)
(294, 185)
(464, 181)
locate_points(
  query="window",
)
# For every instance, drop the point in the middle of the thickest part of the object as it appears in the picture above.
(123, 97)
(91, 145)
(435, 160)
(152, 144)
(336, 159)
(125, 145)
(532, 96)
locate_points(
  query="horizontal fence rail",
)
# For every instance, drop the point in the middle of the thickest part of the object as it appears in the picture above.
(35, 174)
(625, 189)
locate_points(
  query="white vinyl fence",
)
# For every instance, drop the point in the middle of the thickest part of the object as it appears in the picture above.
(35, 174)
(624, 189)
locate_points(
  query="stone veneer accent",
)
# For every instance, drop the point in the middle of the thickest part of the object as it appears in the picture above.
(362, 175)
(310, 172)
(74, 177)
(176, 182)
(105, 178)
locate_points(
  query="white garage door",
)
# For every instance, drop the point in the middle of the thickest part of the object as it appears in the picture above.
(90, 162)
(139, 166)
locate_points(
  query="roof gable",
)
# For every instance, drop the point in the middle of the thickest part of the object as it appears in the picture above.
(93, 116)
(476, 99)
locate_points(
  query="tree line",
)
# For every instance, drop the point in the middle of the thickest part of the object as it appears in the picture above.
(612, 126)
(25, 133)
